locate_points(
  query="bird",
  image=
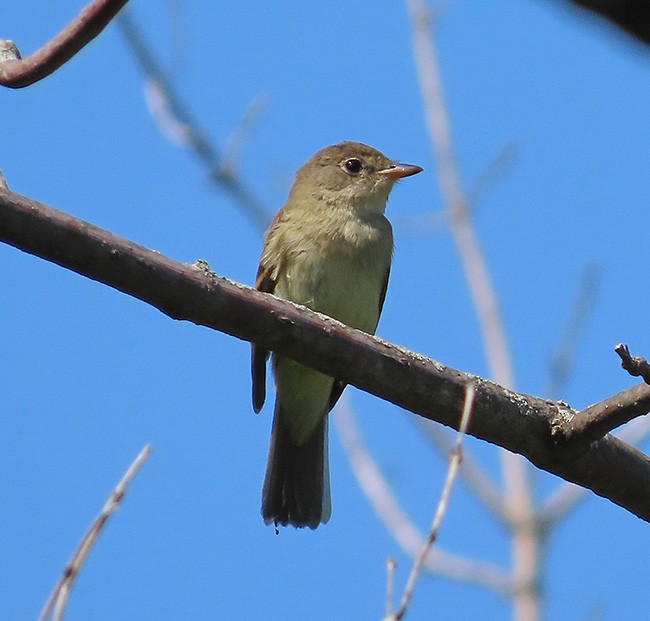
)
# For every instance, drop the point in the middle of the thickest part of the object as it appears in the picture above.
(330, 249)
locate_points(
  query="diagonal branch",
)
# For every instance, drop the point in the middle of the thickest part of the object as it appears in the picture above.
(174, 116)
(564, 356)
(456, 204)
(408, 537)
(56, 604)
(455, 458)
(471, 471)
(18, 73)
(516, 475)
(518, 422)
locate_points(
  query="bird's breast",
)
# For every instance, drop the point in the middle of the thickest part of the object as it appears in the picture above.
(341, 273)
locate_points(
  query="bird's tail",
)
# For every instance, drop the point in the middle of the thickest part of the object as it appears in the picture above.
(297, 486)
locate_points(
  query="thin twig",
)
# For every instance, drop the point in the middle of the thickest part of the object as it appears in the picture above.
(58, 600)
(177, 123)
(594, 422)
(497, 167)
(391, 566)
(429, 222)
(20, 72)
(234, 144)
(456, 203)
(516, 473)
(398, 524)
(636, 366)
(473, 474)
(455, 460)
(564, 356)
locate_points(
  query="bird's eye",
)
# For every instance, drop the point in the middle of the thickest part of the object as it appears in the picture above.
(353, 166)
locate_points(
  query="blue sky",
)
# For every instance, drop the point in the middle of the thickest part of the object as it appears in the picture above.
(91, 375)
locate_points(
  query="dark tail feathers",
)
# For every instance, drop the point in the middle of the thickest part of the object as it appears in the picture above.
(296, 487)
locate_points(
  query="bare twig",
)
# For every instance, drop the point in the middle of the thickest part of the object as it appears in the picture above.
(501, 163)
(428, 222)
(563, 358)
(408, 537)
(455, 459)
(234, 144)
(558, 504)
(518, 422)
(518, 495)
(589, 425)
(17, 73)
(58, 600)
(602, 417)
(634, 365)
(391, 566)
(456, 203)
(475, 477)
(176, 122)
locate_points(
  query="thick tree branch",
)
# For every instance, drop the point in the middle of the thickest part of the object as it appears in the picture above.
(19, 72)
(520, 423)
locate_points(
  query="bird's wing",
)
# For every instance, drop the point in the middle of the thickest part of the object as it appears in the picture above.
(264, 282)
(382, 294)
(339, 385)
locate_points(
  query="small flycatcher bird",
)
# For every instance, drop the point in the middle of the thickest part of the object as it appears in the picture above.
(330, 249)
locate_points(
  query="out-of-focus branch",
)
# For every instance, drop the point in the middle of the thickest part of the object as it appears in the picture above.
(58, 600)
(633, 16)
(456, 204)
(518, 493)
(473, 474)
(563, 358)
(175, 120)
(428, 222)
(388, 509)
(391, 566)
(520, 423)
(18, 72)
(455, 459)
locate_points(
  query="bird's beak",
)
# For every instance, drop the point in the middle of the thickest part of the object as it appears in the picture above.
(399, 171)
